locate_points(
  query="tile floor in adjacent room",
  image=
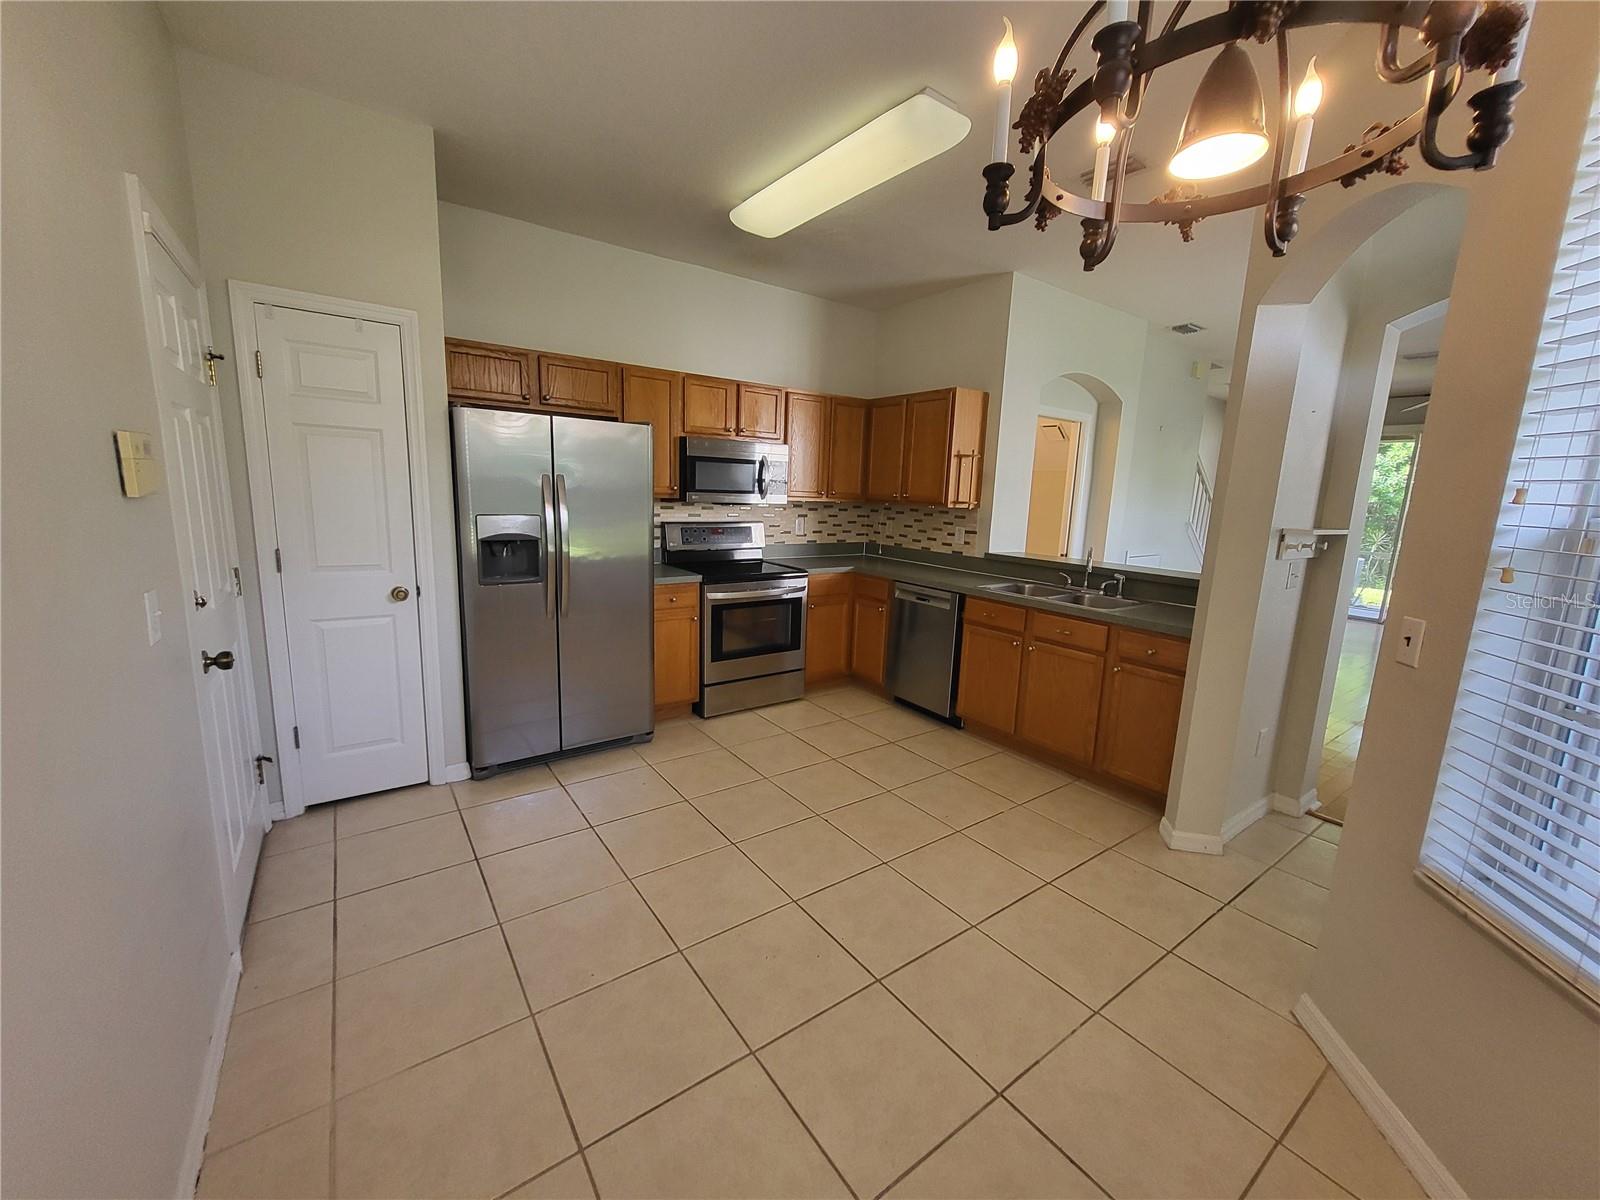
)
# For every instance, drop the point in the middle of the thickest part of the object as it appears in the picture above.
(1347, 717)
(830, 948)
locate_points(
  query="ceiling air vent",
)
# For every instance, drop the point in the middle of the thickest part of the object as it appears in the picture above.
(1135, 165)
(1187, 327)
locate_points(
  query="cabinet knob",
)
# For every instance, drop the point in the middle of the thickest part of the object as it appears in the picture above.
(1114, 670)
(1031, 647)
(1016, 643)
(1152, 650)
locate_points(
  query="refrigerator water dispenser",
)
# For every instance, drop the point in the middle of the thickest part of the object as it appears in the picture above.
(510, 549)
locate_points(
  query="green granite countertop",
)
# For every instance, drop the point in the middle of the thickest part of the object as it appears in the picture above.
(666, 574)
(1174, 619)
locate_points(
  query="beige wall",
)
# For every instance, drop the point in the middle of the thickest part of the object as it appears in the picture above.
(114, 950)
(511, 281)
(299, 190)
(1497, 1070)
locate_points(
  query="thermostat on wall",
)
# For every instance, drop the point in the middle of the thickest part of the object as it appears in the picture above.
(136, 462)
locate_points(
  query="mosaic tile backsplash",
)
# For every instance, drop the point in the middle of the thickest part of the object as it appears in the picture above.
(944, 530)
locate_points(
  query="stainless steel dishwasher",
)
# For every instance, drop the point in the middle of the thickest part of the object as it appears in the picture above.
(924, 640)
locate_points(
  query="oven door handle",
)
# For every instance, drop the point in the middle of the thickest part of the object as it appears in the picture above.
(773, 594)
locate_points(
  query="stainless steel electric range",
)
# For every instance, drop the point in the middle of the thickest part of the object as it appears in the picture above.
(752, 614)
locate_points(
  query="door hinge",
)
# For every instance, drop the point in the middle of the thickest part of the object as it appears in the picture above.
(297, 737)
(261, 769)
(238, 585)
(277, 558)
(259, 375)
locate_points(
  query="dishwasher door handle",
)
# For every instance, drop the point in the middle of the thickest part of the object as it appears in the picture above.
(932, 599)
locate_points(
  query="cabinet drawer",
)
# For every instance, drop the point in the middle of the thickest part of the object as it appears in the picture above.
(828, 585)
(872, 586)
(1152, 649)
(1068, 631)
(1000, 616)
(672, 596)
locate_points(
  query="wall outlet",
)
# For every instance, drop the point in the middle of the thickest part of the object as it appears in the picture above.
(152, 618)
(1292, 579)
(1409, 651)
(1261, 740)
(800, 524)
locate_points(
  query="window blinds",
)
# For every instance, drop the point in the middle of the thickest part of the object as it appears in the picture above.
(1514, 832)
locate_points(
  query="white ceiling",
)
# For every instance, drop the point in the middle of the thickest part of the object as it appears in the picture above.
(642, 124)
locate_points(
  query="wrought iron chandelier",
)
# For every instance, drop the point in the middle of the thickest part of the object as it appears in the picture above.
(1225, 130)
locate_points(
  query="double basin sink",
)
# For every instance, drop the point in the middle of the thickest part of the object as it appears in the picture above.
(1070, 597)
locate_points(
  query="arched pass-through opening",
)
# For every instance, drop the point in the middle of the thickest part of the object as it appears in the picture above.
(1303, 420)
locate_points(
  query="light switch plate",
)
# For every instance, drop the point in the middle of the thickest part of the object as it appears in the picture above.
(137, 465)
(152, 617)
(1409, 651)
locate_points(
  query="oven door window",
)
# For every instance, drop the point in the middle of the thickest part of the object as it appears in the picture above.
(725, 476)
(755, 627)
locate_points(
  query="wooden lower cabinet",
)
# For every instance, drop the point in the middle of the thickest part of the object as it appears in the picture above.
(869, 635)
(828, 636)
(991, 673)
(1058, 705)
(677, 655)
(1139, 721)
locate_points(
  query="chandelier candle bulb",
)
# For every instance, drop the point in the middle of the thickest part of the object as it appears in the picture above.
(1306, 102)
(1116, 10)
(1103, 133)
(1005, 70)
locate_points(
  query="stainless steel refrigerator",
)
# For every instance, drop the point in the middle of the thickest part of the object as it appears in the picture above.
(553, 519)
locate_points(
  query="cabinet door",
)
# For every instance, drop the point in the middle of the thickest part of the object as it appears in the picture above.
(579, 386)
(1059, 706)
(869, 638)
(1139, 725)
(709, 406)
(886, 445)
(760, 412)
(827, 637)
(964, 487)
(677, 655)
(484, 374)
(991, 670)
(655, 398)
(847, 450)
(927, 438)
(808, 446)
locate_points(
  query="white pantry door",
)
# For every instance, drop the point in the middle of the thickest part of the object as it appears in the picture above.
(341, 485)
(196, 471)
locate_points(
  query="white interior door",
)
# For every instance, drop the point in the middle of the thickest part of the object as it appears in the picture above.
(334, 397)
(196, 474)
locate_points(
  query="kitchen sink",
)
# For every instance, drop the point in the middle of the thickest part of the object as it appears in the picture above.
(1068, 596)
(1034, 591)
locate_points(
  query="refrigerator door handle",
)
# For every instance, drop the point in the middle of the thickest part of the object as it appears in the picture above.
(565, 578)
(545, 495)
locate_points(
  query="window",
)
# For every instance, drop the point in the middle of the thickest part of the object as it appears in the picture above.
(1514, 832)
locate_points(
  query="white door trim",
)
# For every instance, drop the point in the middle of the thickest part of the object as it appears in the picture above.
(242, 297)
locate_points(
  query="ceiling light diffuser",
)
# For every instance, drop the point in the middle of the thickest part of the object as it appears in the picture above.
(1226, 129)
(908, 134)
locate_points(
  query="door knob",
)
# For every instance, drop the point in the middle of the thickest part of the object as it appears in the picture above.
(222, 660)
(398, 594)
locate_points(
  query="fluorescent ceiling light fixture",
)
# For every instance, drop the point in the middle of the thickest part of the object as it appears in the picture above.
(908, 134)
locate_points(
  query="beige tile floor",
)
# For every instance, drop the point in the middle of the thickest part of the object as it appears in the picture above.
(825, 949)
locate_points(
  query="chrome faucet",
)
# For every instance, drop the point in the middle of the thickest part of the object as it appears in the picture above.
(1087, 564)
(1117, 581)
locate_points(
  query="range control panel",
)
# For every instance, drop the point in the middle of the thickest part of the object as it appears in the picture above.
(695, 535)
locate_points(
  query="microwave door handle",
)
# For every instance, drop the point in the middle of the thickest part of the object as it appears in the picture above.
(761, 477)
(545, 495)
(566, 546)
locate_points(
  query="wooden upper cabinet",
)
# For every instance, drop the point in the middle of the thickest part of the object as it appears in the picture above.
(760, 412)
(886, 439)
(807, 435)
(710, 406)
(847, 450)
(927, 441)
(482, 373)
(969, 419)
(584, 386)
(655, 398)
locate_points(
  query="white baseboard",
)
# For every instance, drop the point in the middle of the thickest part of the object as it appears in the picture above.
(457, 772)
(1194, 843)
(1291, 806)
(194, 1150)
(1422, 1162)
(1243, 819)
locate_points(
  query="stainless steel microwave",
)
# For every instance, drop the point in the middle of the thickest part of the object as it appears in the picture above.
(733, 471)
